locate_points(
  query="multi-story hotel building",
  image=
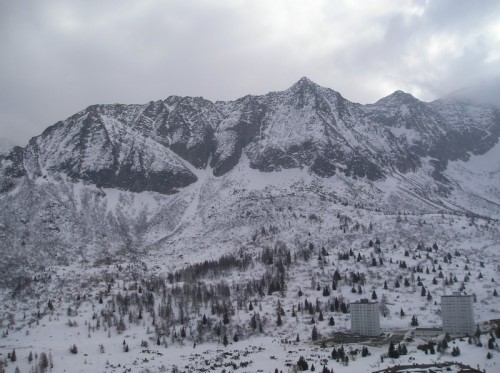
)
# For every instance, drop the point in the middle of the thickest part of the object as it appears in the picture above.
(365, 318)
(458, 314)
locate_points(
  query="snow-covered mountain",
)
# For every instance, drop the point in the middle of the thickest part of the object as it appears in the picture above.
(128, 178)
(147, 147)
(184, 222)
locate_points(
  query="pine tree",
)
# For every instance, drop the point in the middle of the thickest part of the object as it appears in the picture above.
(302, 364)
(393, 353)
(491, 343)
(43, 362)
(253, 322)
(314, 334)
(414, 321)
(364, 351)
(311, 309)
(374, 295)
(326, 291)
(331, 322)
(455, 351)
(225, 341)
(279, 322)
(13, 356)
(343, 307)
(403, 350)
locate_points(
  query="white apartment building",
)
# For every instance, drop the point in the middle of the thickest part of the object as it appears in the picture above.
(458, 314)
(365, 318)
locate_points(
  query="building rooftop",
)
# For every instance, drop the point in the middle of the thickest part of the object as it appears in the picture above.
(363, 301)
(456, 294)
(429, 368)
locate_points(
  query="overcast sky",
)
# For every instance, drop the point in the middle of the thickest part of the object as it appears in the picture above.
(58, 57)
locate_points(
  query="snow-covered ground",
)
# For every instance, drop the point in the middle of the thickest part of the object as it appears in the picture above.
(75, 293)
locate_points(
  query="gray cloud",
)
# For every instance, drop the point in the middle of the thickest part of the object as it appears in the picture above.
(59, 57)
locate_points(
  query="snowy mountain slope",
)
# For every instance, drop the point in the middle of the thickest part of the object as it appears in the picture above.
(477, 181)
(226, 162)
(90, 299)
(99, 148)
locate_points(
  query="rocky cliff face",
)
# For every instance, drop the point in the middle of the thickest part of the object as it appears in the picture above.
(11, 168)
(152, 146)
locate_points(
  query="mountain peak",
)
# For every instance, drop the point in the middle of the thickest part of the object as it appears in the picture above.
(305, 79)
(402, 95)
(304, 82)
(398, 97)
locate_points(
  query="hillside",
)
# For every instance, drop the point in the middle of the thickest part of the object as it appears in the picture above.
(124, 225)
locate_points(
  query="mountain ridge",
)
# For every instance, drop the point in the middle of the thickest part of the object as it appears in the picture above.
(159, 145)
(305, 125)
